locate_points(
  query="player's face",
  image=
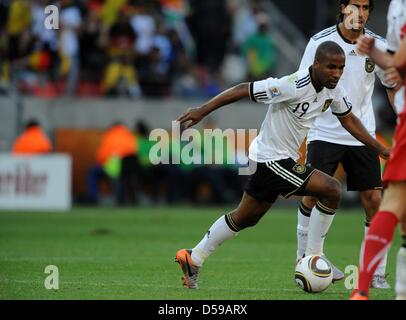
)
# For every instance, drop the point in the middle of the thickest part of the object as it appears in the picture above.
(330, 70)
(359, 7)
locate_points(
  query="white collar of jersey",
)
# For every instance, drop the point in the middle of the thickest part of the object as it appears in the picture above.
(344, 38)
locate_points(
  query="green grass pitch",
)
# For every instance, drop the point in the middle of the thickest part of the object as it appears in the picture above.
(129, 254)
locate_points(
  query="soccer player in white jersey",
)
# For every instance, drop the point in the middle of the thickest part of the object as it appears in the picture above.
(329, 144)
(294, 101)
(392, 211)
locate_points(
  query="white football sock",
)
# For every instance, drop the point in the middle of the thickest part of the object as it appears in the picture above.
(320, 222)
(381, 269)
(303, 219)
(219, 232)
(401, 275)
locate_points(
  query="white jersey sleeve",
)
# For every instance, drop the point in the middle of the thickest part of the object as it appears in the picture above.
(341, 106)
(392, 35)
(308, 56)
(383, 46)
(272, 90)
(396, 20)
(381, 76)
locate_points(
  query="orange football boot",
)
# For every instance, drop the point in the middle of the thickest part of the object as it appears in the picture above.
(358, 295)
(190, 271)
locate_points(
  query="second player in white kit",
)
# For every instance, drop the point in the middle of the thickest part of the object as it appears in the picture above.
(329, 144)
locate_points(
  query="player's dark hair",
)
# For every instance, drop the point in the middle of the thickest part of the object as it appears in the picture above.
(116, 123)
(141, 128)
(328, 48)
(346, 3)
(31, 123)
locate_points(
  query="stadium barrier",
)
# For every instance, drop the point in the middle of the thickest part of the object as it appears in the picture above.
(35, 182)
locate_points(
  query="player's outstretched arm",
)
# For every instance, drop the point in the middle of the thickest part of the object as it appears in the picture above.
(354, 126)
(195, 115)
(366, 47)
(399, 59)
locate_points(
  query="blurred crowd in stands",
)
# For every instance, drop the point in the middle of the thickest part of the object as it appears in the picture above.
(123, 159)
(133, 48)
(124, 171)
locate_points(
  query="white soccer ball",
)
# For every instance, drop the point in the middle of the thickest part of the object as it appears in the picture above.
(313, 274)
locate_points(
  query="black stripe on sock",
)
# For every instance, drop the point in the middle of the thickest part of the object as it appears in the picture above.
(404, 241)
(230, 223)
(324, 209)
(305, 210)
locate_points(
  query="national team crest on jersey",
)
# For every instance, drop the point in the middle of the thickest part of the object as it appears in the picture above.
(275, 92)
(299, 168)
(369, 65)
(327, 105)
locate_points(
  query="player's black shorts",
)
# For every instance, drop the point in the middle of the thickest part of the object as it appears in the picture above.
(360, 163)
(273, 178)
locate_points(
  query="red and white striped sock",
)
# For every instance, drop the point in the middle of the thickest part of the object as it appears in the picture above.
(375, 246)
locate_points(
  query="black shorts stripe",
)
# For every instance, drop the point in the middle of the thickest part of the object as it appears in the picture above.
(287, 172)
(274, 178)
(283, 174)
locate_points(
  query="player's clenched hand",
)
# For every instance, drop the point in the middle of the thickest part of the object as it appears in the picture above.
(392, 76)
(385, 154)
(192, 115)
(365, 45)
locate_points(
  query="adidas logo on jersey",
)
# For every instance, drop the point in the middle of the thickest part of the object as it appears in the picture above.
(352, 53)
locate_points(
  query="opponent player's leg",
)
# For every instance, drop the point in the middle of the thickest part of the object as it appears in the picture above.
(391, 211)
(401, 264)
(328, 192)
(325, 157)
(380, 234)
(248, 213)
(371, 200)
